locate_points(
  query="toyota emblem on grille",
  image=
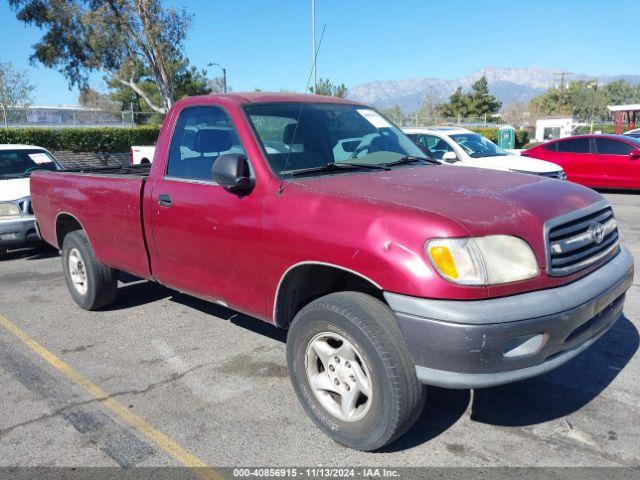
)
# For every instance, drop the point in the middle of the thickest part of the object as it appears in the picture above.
(597, 233)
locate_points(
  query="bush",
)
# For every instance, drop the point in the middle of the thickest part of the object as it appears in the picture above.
(604, 128)
(522, 136)
(102, 139)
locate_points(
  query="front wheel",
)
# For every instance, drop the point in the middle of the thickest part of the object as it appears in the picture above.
(92, 284)
(351, 370)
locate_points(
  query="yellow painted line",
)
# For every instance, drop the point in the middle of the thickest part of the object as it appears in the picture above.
(160, 439)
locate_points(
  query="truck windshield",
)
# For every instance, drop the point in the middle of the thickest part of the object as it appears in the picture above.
(20, 163)
(304, 137)
(478, 146)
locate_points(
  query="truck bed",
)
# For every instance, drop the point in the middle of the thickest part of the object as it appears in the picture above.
(106, 202)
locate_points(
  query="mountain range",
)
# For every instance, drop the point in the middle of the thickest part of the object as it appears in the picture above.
(510, 85)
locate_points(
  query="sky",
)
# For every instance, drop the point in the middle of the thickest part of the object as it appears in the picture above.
(267, 43)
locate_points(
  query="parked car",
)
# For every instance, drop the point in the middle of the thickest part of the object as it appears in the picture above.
(17, 223)
(141, 155)
(389, 269)
(463, 147)
(633, 133)
(599, 161)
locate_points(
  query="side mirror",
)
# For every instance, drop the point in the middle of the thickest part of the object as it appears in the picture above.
(232, 172)
(450, 157)
(634, 155)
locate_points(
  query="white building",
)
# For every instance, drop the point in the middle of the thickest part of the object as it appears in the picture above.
(552, 128)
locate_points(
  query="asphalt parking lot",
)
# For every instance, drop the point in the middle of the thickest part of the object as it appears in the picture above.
(93, 389)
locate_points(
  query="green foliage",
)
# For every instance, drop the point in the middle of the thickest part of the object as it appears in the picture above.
(522, 136)
(189, 81)
(476, 103)
(604, 128)
(103, 139)
(125, 39)
(394, 114)
(15, 88)
(325, 87)
(585, 99)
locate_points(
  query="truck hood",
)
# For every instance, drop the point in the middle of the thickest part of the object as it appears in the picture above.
(481, 201)
(514, 162)
(14, 189)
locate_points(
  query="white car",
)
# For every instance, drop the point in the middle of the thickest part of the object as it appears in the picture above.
(17, 222)
(463, 147)
(141, 155)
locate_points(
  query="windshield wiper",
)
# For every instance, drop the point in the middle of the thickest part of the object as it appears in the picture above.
(12, 175)
(339, 166)
(411, 159)
(484, 155)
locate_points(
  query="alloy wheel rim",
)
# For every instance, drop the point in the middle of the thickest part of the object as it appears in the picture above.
(77, 272)
(338, 376)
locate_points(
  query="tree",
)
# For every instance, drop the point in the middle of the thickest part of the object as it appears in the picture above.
(15, 88)
(325, 87)
(189, 81)
(459, 105)
(429, 107)
(131, 41)
(93, 99)
(585, 99)
(476, 103)
(483, 102)
(394, 114)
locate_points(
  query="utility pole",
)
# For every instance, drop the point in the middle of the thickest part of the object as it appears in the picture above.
(562, 76)
(313, 43)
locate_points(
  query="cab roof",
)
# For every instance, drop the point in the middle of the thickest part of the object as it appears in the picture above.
(242, 98)
(10, 146)
(442, 130)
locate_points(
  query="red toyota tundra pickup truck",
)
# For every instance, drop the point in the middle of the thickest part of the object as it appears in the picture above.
(388, 269)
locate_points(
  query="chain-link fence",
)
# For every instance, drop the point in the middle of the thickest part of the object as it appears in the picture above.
(422, 121)
(60, 117)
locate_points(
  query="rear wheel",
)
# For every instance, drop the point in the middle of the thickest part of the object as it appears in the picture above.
(92, 284)
(351, 370)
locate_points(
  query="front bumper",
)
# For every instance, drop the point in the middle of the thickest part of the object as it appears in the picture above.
(482, 343)
(19, 231)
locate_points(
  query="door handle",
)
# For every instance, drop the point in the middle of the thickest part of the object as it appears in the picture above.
(164, 200)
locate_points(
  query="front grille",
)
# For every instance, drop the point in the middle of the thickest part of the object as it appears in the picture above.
(581, 239)
(559, 174)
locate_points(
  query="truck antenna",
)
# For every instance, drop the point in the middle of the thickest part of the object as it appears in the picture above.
(306, 92)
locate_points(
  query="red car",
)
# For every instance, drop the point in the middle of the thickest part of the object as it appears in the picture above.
(388, 269)
(598, 161)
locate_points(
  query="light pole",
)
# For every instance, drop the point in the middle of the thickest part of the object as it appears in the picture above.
(594, 87)
(224, 75)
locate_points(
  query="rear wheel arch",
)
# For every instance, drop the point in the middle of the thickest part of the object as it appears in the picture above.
(65, 224)
(306, 281)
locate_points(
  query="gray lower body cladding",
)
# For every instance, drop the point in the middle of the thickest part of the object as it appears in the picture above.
(524, 335)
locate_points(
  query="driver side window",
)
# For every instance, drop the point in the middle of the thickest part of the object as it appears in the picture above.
(436, 146)
(201, 135)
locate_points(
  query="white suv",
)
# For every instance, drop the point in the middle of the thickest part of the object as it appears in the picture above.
(463, 147)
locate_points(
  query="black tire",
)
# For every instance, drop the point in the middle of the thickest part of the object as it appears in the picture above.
(3, 251)
(101, 283)
(369, 325)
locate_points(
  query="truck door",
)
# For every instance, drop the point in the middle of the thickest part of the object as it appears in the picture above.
(206, 239)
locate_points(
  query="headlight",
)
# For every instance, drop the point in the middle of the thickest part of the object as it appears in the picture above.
(9, 210)
(483, 260)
